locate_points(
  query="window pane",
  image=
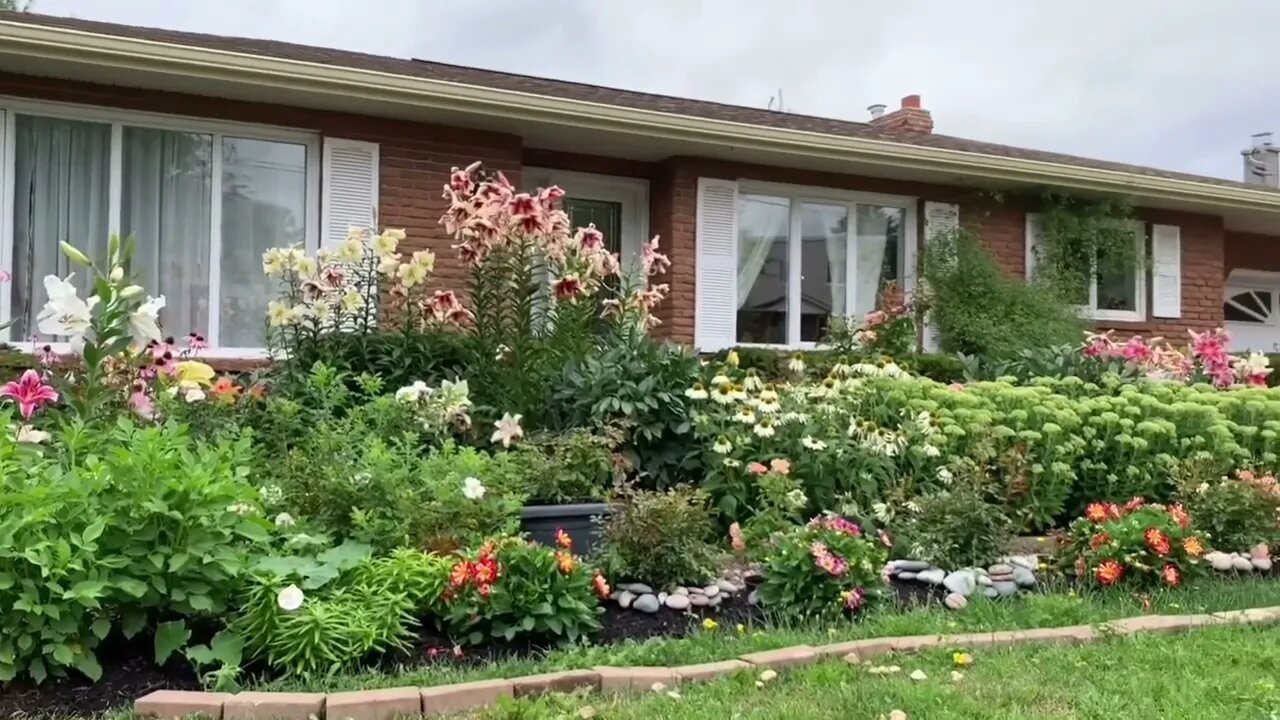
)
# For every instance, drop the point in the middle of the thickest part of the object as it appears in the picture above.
(879, 241)
(606, 216)
(1117, 285)
(823, 266)
(61, 176)
(264, 205)
(166, 200)
(763, 230)
(1249, 306)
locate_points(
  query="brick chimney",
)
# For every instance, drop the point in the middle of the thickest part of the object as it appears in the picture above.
(910, 119)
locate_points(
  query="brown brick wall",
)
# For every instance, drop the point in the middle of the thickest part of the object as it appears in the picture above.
(1251, 251)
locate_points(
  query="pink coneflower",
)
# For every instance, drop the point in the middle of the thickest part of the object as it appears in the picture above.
(30, 393)
(46, 356)
(196, 343)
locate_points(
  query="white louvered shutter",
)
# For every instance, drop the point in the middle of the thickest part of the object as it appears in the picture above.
(1032, 242)
(350, 179)
(939, 218)
(1166, 271)
(716, 309)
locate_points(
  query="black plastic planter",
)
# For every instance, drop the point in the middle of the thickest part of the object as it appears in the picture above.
(541, 522)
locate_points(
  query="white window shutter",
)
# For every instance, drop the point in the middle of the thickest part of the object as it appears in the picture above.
(1032, 244)
(939, 218)
(350, 180)
(1166, 271)
(716, 310)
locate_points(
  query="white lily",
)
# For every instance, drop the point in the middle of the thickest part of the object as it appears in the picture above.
(144, 323)
(66, 314)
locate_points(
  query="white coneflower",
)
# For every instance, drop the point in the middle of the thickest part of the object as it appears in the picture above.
(738, 393)
(752, 382)
(797, 498)
(865, 369)
(723, 394)
(813, 443)
(722, 446)
(796, 364)
(746, 417)
(765, 428)
(841, 368)
(881, 511)
(930, 451)
(732, 463)
(892, 370)
(912, 506)
(944, 476)
(793, 417)
(697, 392)
(768, 407)
(720, 379)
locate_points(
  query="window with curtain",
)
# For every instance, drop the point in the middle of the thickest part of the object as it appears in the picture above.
(846, 252)
(202, 206)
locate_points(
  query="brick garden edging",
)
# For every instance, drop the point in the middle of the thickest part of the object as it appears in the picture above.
(384, 704)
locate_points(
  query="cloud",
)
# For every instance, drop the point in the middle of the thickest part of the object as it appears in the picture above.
(1177, 84)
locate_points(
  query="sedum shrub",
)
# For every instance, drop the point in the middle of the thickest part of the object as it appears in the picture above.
(822, 570)
(659, 537)
(1134, 544)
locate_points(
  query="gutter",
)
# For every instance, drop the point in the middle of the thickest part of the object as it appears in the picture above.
(61, 44)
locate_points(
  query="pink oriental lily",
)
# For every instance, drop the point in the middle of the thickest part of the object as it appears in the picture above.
(30, 392)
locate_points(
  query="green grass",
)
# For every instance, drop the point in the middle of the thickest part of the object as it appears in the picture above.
(1227, 672)
(1046, 609)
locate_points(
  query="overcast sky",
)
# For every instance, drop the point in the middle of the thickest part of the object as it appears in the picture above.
(1176, 84)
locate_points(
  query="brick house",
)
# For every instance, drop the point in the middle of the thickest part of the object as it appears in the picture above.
(210, 150)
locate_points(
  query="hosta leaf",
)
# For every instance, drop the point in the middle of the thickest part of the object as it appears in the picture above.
(170, 636)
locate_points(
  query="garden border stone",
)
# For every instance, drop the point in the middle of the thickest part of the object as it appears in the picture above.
(460, 697)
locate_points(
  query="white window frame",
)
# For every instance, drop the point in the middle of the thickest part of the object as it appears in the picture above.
(1139, 313)
(632, 194)
(1245, 280)
(11, 107)
(797, 195)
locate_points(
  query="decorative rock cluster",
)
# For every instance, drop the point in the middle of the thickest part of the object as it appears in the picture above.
(1258, 559)
(1000, 580)
(642, 597)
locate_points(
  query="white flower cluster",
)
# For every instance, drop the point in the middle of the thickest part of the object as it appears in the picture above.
(438, 408)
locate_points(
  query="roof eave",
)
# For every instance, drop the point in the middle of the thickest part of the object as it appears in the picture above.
(54, 43)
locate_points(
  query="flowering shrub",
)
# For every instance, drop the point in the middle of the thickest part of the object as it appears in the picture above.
(574, 466)
(822, 569)
(513, 587)
(661, 538)
(1134, 543)
(1236, 512)
(1205, 359)
(964, 525)
(888, 330)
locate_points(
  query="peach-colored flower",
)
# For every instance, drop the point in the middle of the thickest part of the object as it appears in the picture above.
(782, 466)
(756, 468)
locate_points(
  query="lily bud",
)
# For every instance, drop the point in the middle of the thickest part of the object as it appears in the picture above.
(117, 274)
(75, 255)
(132, 291)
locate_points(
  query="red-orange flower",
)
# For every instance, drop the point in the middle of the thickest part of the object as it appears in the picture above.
(1193, 546)
(563, 540)
(1134, 504)
(1096, 512)
(1109, 572)
(1099, 540)
(566, 562)
(602, 586)
(1113, 511)
(1157, 541)
(1180, 515)
(461, 574)
(1171, 576)
(485, 571)
(484, 590)
(225, 389)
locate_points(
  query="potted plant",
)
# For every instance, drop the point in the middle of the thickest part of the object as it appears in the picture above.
(569, 475)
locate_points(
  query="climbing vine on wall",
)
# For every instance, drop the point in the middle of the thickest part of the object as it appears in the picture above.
(1080, 236)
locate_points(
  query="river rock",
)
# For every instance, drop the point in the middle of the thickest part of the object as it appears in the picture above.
(680, 591)
(727, 587)
(1262, 564)
(933, 576)
(699, 600)
(662, 598)
(1261, 550)
(715, 601)
(990, 593)
(1004, 588)
(1241, 564)
(906, 575)
(626, 598)
(961, 582)
(696, 591)
(1001, 569)
(647, 603)
(1024, 577)
(711, 590)
(753, 598)
(909, 565)
(1219, 560)
(639, 589)
(955, 601)
(678, 602)
(1026, 561)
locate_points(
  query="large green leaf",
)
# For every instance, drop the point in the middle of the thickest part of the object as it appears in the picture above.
(170, 636)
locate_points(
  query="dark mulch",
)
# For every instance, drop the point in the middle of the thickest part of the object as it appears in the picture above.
(130, 671)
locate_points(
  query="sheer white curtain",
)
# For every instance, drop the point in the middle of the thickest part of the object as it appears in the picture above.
(166, 201)
(877, 235)
(831, 223)
(264, 205)
(61, 193)
(762, 222)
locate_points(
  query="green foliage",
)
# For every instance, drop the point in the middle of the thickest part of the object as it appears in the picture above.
(639, 385)
(124, 525)
(515, 588)
(658, 537)
(1079, 236)
(821, 570)
(1236, 513)
(1143, 545)
(981, 310)
(398, 358)
(960, 526)
(225, 656)
(573, 466)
